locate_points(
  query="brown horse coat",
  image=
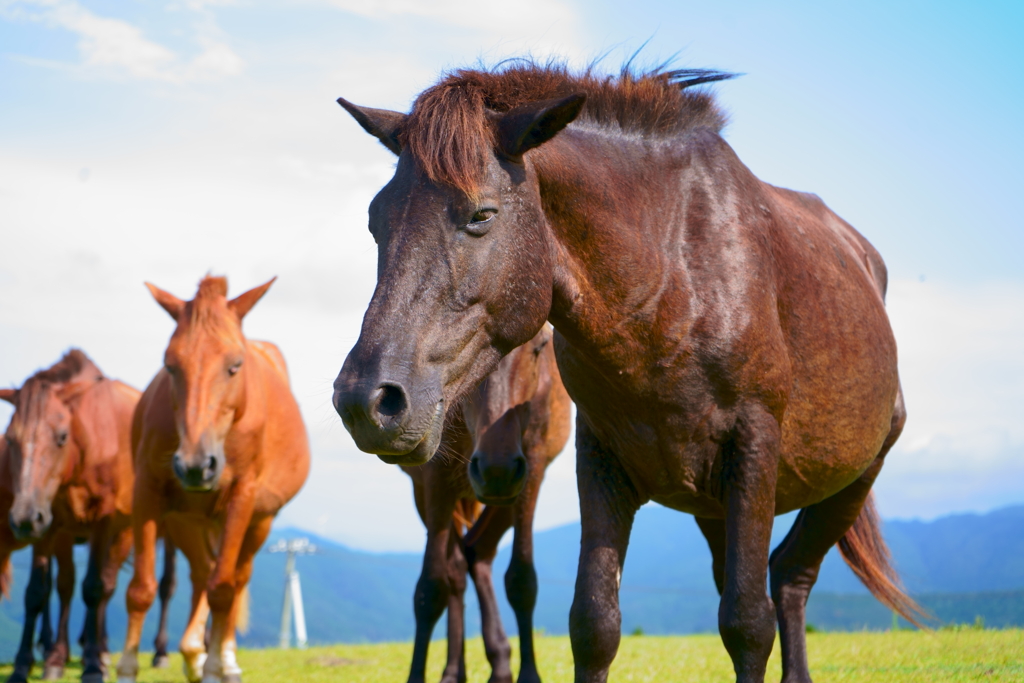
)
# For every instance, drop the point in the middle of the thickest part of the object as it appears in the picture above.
(725, 341)
(68, 474)
(495, 449)
(219, 447)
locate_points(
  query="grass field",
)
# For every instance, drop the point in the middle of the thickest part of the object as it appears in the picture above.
(904, 656)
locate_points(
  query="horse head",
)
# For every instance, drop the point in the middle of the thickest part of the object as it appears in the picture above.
(205, 361)
(43, 440)
(497, 413)
(465, 264)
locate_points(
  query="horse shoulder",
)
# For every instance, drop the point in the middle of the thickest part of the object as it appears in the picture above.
(154, 433)
(286, 456)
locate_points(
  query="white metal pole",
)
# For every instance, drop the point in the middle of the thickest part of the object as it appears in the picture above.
(285, 635)
(300, 613)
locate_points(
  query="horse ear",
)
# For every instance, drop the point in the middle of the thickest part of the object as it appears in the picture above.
(170, 303)
(535, 123)
(9, 395)
(382, 124)
(244, 302)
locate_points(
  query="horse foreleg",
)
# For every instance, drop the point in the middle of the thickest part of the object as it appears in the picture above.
(521, 577)
(190, 538)
(795, 562)
(167, 584)
(36, 595)
(480, 556)
(46, 627)
(221, 587)
(432, 588)
(608, 503)
(746, 614)
(142, 589)
(59, 655)
(254, 539)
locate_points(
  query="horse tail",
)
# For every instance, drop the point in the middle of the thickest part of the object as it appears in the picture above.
(865, 551)
(242, 615)
(6, 578)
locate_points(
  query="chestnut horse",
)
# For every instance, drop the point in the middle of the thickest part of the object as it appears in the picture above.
(725, 341)
(219, 448)
(69, 472)
(494, 451)
(53, 544)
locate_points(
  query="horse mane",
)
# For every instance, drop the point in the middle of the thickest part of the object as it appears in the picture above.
(449, 136)
(73, 366)
(207, 309)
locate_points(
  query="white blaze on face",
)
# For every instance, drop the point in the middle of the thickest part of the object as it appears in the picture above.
(618, 578)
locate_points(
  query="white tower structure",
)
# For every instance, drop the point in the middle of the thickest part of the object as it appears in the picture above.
(292, 591)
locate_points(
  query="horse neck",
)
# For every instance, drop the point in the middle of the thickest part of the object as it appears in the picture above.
(610, 201)
(251, 411)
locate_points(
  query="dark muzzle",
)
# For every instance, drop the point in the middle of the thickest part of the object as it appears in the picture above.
(30, 521)
(382, 421)
(497, 481)
(197, 474)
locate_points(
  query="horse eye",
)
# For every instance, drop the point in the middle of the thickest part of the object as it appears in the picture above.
(233, 370)
(484, 215)
(62, 438)
(481, 222)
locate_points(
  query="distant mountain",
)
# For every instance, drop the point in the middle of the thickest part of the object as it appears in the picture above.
(960, 566)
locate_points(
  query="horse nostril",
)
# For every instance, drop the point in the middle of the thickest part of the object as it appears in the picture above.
(39, 518)
(392, 400)
(474, 468)
(211, 464)
(520, 468)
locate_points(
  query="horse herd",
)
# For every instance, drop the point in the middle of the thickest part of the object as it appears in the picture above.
(725, 343)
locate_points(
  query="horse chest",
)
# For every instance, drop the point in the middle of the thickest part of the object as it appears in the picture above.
(669, 440)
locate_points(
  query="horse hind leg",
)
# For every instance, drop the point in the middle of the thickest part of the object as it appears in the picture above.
(458, 567)
(795, 563)
(59, 655)
(168, 583)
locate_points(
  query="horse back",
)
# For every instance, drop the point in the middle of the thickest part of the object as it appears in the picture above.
(103, 414)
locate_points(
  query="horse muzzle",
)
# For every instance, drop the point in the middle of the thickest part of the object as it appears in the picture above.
(383, 420)
(200, 473)
(30, 522)
(497, 483)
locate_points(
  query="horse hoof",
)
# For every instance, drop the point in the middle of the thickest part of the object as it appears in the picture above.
(210, 678)
(93, 677)
(232, 678)
(18, 677)
(161, 661)
(53, 673)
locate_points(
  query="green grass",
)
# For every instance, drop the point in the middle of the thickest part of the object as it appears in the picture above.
(903, 656)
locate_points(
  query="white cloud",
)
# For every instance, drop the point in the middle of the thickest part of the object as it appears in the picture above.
(108, 45)
(963, 377)
(498, 17)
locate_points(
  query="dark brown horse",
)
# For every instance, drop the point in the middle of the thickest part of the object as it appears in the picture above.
(495, 451)
(70, 474)
(725, 341)
(219, 447)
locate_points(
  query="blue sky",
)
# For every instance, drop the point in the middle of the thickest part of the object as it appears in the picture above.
(156, 141)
